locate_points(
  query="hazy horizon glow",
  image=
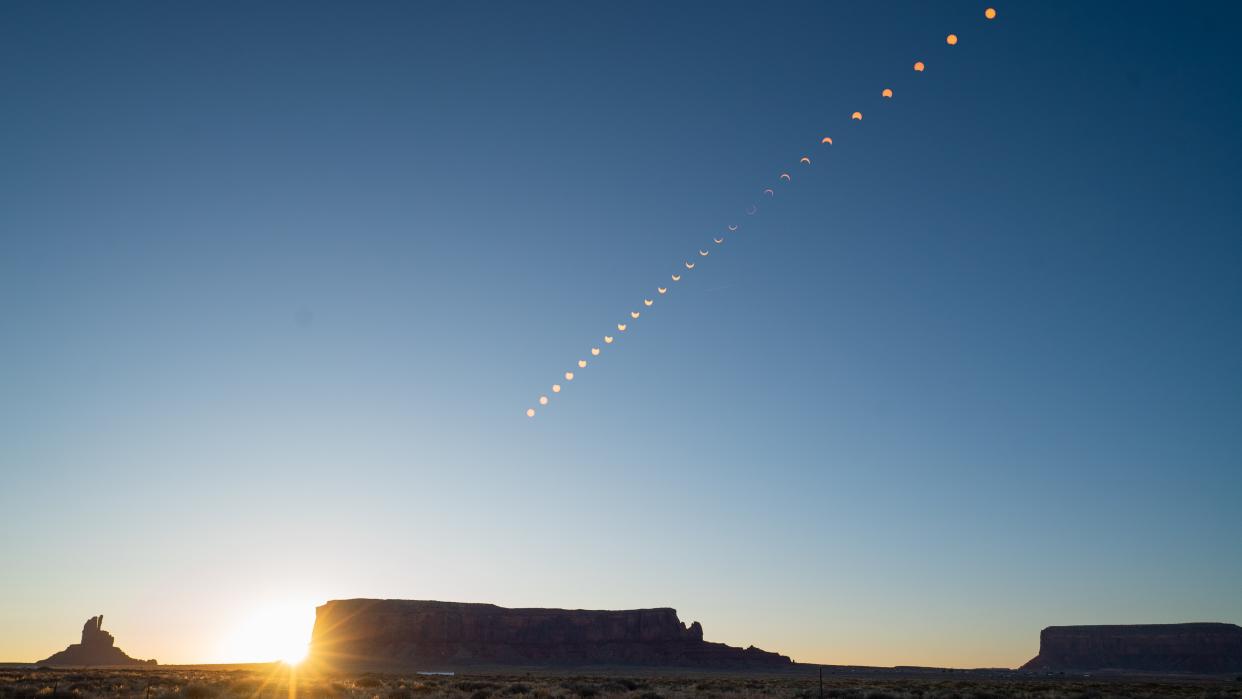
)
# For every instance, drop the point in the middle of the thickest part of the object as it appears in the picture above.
(280, 281)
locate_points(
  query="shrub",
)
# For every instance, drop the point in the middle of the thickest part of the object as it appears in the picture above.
(198, 691)
(582, 690)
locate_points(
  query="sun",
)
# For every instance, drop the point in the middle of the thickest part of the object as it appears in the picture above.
(294, 654)
(275, 632)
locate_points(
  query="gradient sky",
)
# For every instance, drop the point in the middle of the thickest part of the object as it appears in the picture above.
(279, 280)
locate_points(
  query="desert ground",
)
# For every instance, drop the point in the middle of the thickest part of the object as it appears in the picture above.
(275, 681)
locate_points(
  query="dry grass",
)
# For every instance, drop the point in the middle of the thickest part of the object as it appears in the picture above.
(202, 683)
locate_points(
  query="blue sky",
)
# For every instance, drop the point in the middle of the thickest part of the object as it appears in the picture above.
(279, 282)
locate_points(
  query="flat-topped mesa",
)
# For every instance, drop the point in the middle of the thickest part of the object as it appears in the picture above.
(379, 634)
(97, 648)
(1199, 648)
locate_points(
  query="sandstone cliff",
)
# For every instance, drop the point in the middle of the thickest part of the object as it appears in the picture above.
(1201, 648)
(97, 648)
(407, 633)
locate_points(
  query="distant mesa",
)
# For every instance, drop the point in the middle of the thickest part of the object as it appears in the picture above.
(1194, 648)
(96, 649)
(427, 635)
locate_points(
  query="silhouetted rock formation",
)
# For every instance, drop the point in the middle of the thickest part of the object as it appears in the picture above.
(381, 634)
(96, 648)
(1204, 648)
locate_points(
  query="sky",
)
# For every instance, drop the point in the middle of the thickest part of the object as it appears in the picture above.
(280, 280)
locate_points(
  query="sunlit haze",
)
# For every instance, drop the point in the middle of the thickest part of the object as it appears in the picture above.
(278, 631)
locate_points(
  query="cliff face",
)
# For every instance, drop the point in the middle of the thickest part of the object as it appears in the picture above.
(97, 648)
(1204, 648)
(407, 633)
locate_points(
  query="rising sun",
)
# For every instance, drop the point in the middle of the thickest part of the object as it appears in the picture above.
(276, 632)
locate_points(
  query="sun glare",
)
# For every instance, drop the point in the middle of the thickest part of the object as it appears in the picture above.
(278, 632)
